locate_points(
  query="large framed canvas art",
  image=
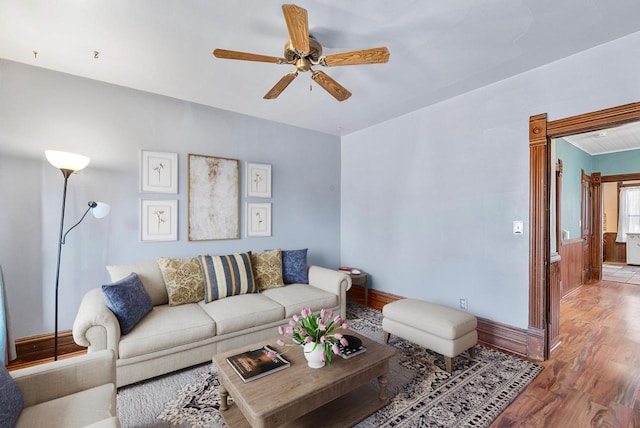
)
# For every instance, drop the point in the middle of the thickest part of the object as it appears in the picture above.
(214, 198)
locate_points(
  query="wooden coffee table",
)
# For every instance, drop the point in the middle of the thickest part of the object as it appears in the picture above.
(339, 395)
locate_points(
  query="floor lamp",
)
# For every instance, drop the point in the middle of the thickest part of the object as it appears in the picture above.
(68, 163)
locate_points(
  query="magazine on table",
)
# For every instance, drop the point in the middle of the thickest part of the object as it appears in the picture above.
(254, 364)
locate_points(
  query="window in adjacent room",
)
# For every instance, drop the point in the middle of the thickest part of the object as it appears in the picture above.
(629, 212)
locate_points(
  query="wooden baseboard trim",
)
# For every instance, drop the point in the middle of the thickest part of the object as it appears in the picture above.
(376, 299)
(41, 347)
(503, 337)
(490, 333)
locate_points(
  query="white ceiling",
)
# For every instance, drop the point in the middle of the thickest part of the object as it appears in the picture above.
(618, 139)
(439, 48)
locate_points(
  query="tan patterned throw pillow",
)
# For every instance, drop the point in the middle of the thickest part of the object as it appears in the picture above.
(183, 279)
(267, 269)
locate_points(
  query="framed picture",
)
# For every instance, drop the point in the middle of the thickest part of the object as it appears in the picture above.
(258, 180)
(214, 198)
(158, 172)
(258, 219)
(158, 220)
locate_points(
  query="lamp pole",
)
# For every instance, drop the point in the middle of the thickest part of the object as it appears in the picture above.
(66, 173)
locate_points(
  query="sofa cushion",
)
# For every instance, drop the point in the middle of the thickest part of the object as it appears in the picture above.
(11, 400)
(74, 410)
(294, 266)
(183, 279)
(267, 268)
(167, 327)
(228, 275)
(150, 275)
(128, 300)
(241, 312)
(295, 297)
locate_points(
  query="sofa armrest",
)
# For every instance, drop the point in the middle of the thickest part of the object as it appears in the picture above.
(95, 325)
(333, 281)
(56, 379)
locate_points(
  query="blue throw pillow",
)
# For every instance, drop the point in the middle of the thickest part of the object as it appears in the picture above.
(128, 300)
(294, 266)
(11, 401)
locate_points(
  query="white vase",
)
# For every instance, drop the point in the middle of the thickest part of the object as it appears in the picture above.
(314, 356)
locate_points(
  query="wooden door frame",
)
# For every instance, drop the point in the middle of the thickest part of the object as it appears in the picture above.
(541, 132)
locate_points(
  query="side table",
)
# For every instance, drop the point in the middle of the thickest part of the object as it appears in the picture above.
(361, 279)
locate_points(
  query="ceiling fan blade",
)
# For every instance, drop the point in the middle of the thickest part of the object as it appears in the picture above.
(280, 86)
(365, 56)
(244, 56)
(298, 26)
(330, 85)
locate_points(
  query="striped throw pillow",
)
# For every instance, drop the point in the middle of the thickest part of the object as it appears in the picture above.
(226, 276)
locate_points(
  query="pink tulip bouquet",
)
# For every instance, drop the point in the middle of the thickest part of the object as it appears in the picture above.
(317, 328)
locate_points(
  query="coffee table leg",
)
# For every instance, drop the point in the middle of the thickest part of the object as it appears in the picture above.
(223, 397)
(382, 383)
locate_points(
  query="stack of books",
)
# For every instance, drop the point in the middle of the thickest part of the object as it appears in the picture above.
(355, 347)
(349, 270)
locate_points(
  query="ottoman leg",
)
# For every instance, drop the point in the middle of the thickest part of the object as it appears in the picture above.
(448, 361)
(472, 352)
(386, 337)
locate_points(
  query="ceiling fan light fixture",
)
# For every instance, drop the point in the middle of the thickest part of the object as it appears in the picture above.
(302, 50)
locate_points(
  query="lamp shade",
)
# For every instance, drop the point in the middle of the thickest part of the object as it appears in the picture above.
(66, 160)
(100, 210)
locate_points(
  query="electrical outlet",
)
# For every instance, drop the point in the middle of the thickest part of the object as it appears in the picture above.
(463, 304)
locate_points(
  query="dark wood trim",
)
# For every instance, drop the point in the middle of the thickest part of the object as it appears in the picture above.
(541, 132)
(36, 348)
(490, 333)
(571, 253)
(594, 121)
(502, 336)
(377, 299)
(539, 237)
(614, 252)
(596, 231)
(555, 295)
(559, 172)
(620, 177)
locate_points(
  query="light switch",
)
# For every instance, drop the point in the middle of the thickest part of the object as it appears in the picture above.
(518, 227)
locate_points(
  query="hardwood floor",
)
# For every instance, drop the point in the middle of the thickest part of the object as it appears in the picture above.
(593, 378)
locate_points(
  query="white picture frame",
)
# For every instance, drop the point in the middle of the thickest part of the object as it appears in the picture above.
(258, 219)
(158, 220)
(258, 180)
(158, 172)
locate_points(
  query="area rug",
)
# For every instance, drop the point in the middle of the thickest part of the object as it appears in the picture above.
(422, 393)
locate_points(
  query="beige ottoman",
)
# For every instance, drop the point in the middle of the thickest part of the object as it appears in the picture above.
(444, 330)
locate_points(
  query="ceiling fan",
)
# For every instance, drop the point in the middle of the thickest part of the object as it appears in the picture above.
(304, 51)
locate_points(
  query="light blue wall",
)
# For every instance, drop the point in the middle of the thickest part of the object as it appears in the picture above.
(574, 161)
(42, 109)
(617, 163)
(428, 199)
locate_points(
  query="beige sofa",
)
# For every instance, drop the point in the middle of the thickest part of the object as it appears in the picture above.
(74, 392)
(170, 338)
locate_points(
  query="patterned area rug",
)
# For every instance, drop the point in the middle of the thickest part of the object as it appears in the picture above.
(422, 393)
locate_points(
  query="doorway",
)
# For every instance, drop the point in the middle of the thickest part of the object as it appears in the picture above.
(544, 278)
(616, 265)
